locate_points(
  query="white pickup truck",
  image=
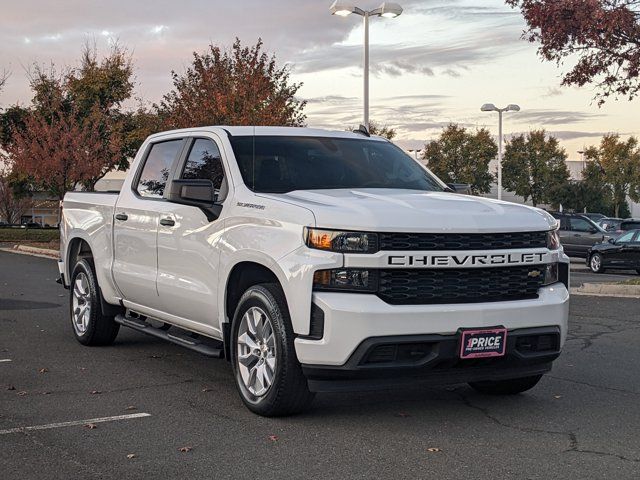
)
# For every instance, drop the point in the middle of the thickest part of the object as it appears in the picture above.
(316, 261)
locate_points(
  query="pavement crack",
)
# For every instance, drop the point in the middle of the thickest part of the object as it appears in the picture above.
(574, 446)
(592, 385)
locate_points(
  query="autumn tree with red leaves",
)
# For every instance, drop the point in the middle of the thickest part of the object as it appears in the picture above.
(75, 131)
(243, 86)
(603, 35)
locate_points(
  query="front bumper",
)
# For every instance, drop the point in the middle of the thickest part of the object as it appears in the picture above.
(350, 319)
(383, 362)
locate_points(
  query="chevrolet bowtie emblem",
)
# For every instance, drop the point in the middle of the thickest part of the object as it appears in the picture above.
(535, 273)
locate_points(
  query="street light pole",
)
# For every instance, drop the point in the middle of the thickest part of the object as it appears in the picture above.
(490, 107)
(388, 10)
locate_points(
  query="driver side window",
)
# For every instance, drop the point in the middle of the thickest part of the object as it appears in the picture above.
(580, 225)
(204, 163)
(626, 238)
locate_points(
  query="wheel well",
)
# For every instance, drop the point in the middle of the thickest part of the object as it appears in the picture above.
(243, 276)
(78, 248)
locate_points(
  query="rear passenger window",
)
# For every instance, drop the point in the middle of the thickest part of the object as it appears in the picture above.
(156, 169)
(580, 225)
(204, 163)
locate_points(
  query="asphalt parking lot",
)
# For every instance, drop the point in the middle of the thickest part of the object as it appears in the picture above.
(183, 418)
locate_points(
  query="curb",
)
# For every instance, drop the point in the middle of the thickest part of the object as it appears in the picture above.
(608, 290)
(33, 251)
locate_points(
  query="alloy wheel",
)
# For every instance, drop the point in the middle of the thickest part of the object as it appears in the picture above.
(81, 304)
(256, 351)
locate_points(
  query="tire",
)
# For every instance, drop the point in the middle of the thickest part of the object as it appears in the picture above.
(268, 351)
(595, 263)
(92, 328)
(506, 387)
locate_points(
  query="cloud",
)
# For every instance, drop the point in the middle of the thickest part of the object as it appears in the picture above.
(572, 135)
(553, 117)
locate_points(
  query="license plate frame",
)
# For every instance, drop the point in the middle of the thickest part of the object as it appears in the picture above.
(470, 349)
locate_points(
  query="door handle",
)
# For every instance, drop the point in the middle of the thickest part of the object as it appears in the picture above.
(122, 216)
(167, 222)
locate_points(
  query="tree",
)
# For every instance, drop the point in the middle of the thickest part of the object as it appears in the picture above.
(459, 156)
(619, 164)
(3, 79)
(602, 35)
(12, 205)
(75, 131)
(243, 86)
(534, 168)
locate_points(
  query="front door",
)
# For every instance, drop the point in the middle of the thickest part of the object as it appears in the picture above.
(188, 255)
(623, 254)
(135, 228)
(583, 235)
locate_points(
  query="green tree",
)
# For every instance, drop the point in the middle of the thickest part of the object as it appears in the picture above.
(534, 168)
(619, 163)
(243, 86)
(459, 156)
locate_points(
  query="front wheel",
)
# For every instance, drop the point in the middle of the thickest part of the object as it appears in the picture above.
(506, 387)
(90, 326)
(595, 263)
(266, 369)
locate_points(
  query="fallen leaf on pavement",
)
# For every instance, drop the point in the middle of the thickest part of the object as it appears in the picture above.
(46, 393)
(90, 426)
(131, 407)
(22, 393)
(131, 455)
(43, 370)
(206, 389)
(95, 392)
(434, 449)
(557, 396)
(11, 387)
(185, 449)
(273, 438)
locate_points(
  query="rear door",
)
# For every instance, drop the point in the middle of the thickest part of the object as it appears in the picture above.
(188, 252)
(582, 236)
(135, 228)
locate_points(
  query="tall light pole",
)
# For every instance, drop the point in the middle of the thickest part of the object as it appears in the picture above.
(388, 10)
(416, 151)
(490, 107)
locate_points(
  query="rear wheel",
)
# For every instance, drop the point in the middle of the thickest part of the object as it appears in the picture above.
(595, 263)
(90, 326)
(266, 369)
(506, 387)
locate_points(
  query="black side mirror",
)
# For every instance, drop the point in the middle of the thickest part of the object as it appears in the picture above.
(197, 193)
(612, 241)
(460, 188)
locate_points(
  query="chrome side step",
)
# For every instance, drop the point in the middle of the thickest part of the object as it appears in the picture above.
(204, 345)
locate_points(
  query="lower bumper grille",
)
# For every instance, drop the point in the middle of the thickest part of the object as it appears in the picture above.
(422, 287)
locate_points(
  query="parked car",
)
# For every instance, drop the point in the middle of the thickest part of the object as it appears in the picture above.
(622, 252)
(629, 224)
(609, 224)
(315, 260)
(578, 233)
(594, 217)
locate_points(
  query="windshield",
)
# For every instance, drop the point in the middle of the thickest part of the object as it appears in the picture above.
(284, 164)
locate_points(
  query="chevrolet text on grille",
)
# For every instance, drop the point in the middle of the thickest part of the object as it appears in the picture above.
(466, 260)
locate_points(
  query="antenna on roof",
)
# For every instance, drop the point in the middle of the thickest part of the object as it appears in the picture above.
(362, 130)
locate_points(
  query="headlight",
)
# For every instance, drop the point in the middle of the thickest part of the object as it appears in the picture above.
(340, 241)
(553, 240)
(346, 279)
(550, 274)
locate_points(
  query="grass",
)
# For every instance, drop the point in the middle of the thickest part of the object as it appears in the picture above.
(29, 235)
(631, 281)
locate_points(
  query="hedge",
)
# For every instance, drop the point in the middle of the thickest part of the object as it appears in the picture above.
(29, 234)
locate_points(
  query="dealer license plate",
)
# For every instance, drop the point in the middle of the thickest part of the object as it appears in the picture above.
(483, 343)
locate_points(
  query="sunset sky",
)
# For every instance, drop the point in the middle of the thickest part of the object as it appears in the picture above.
(435, 64)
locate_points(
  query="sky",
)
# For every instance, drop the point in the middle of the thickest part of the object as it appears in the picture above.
(435, 64)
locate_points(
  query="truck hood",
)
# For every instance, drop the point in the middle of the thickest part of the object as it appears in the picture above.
(416, 211)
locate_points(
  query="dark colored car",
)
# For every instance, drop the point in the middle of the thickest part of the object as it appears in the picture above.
(621, 252)
(594, 217)
(629, 224)
(578, 233)
(610, 224)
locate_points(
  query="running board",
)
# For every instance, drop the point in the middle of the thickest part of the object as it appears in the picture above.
(192, 343)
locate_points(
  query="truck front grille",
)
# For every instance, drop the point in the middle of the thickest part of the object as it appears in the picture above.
(471, 285)
(462, 241)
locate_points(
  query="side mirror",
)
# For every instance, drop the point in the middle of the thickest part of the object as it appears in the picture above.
(612, 241)
(198, 193)
(460, 188)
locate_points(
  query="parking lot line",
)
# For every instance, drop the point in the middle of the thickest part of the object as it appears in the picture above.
(75, 423)
(3, 360)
